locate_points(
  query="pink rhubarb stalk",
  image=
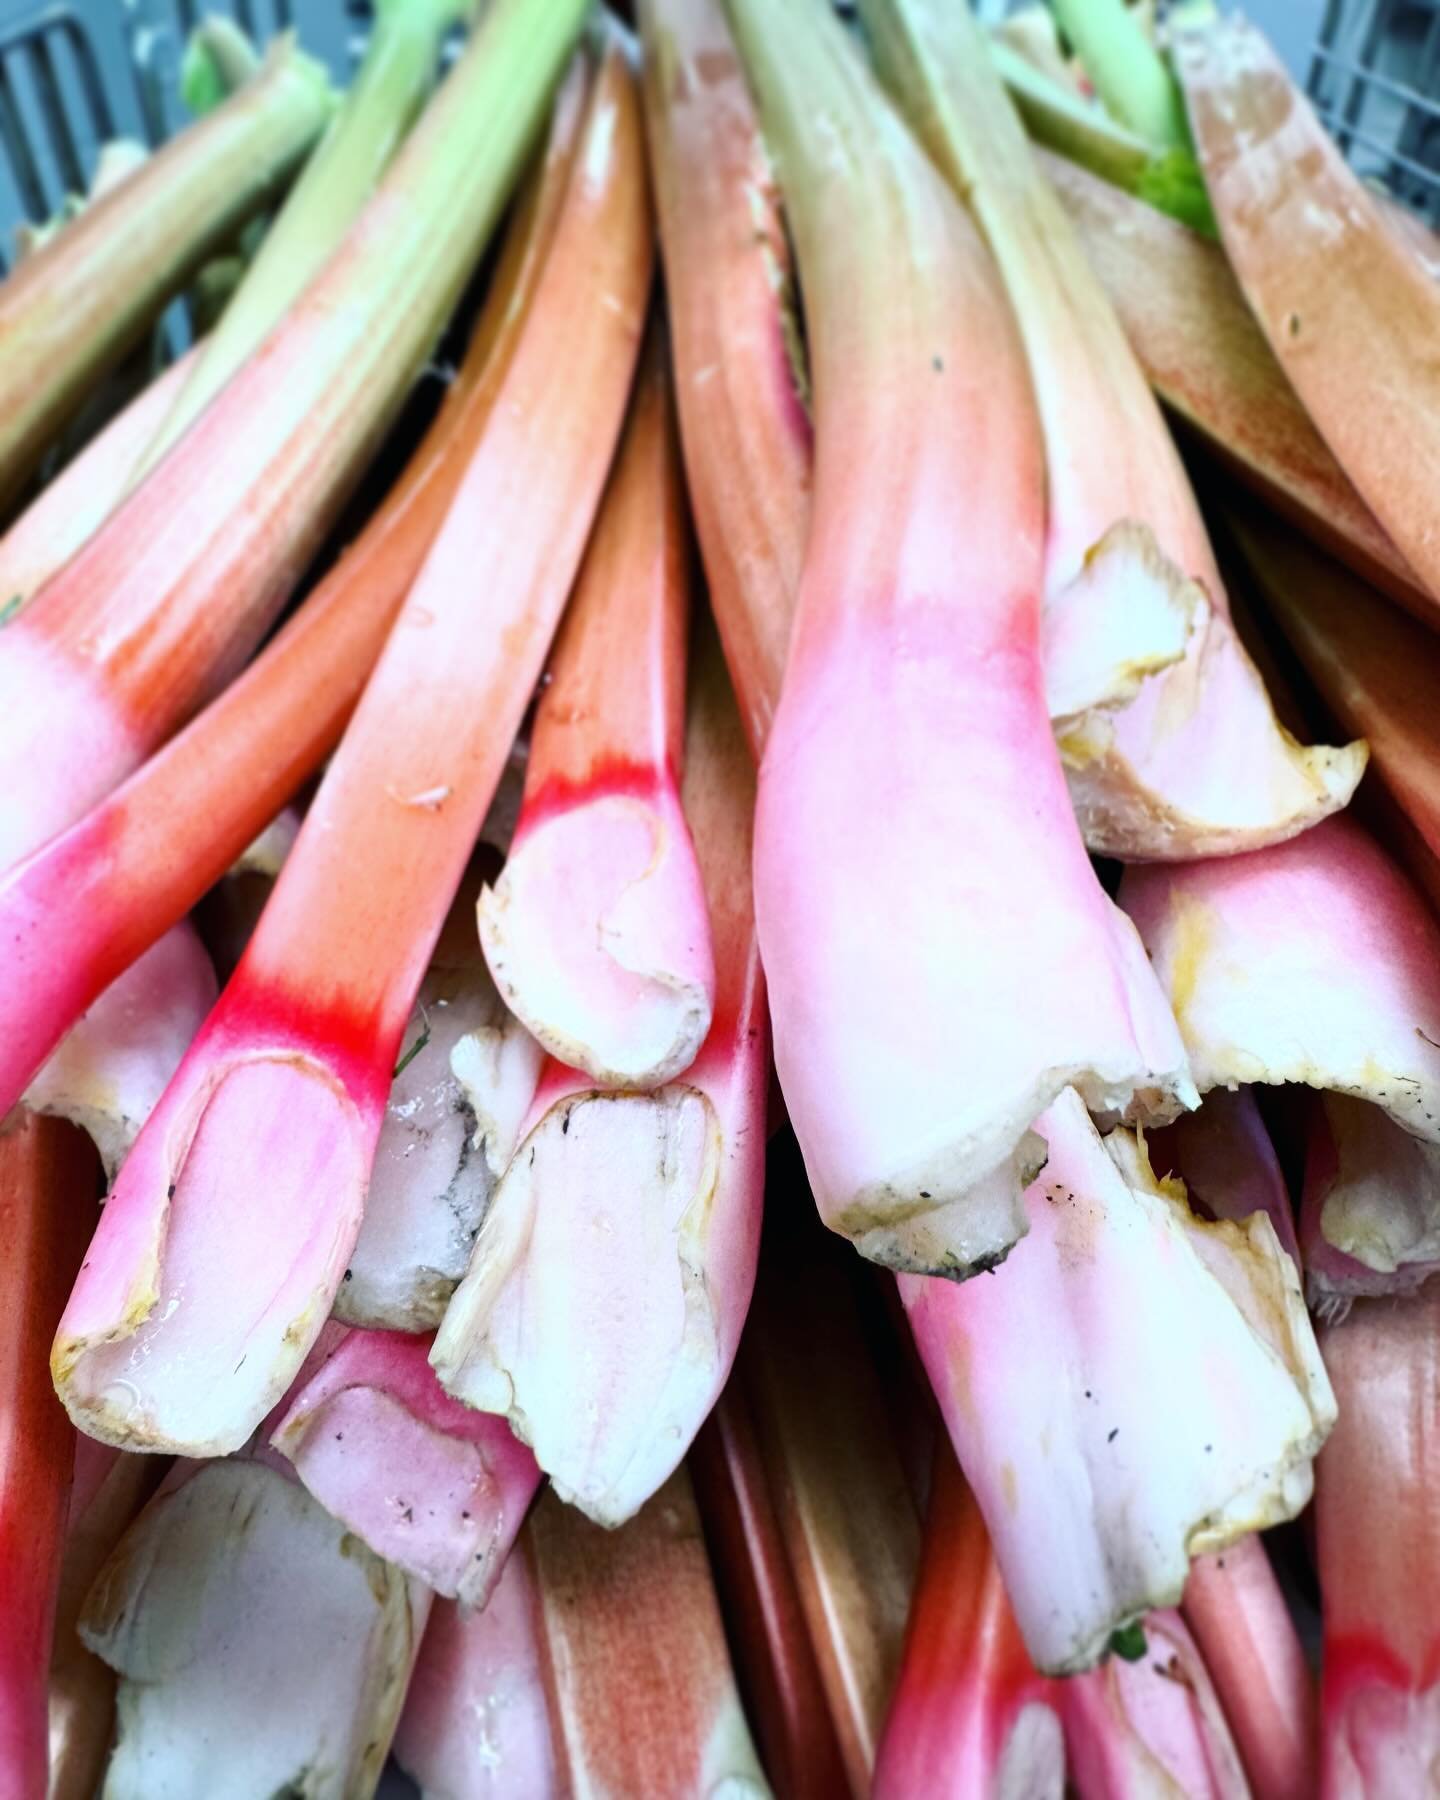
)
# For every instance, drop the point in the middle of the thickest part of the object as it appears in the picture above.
(743, 423)
(919, 634)
(1316, 962)
(604, 1301)
(169, 597)
(47, 1189)
(1169, 741)
(224, 1241)
(476, 1724)
(430, 1485)
(147, 853)
(642, 1692)
(260, 1647)
(1348, 304)
(765, 1623)
(1377, 1544)
(1208, 360)
(596, 931)
(73, 309)
(1070, 1425)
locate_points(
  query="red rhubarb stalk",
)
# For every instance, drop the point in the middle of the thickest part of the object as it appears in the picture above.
(73, 309)
(169, 597)
(920, 635)
(47, 1189)
(605, 1298)
(145, 855)
(1378, 1548)
(266, 1135)
(1348, 304)
(435, 1488)
(596, 931)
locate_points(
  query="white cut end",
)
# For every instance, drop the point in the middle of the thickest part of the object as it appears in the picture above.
(598, 937)
(112, 1067)
(260, 1648)
(451, 1125)
(965, 1237)
(589, 1316)
(215, 1262)
(1032, 1763)
(1128, 614)
(266, 854)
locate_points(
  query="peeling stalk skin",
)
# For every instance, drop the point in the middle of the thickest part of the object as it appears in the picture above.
(1238, 1614)
(111, 1069)
(596, 931)
(1084, 1434)
(1315, 962)
(608, 1287)
(642, 1693)
(743, 423)
(166, 601)
(47, 1188)
(235, 1598)
(765, 1623)
(71, 311)
(273, 1117)
(434, 1488)
(381, 102)
(476, 1724)
(1171, 747)
(921, 637)
(221, 780)
(1208, 360)
(1347, 303)
(1378, 1552)
(1376, 671)
(970, 1715)
(77, 502)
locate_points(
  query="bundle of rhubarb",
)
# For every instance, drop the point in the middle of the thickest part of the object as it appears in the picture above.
(735, 543)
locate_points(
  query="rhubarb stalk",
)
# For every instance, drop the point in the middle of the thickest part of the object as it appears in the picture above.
(596, 931)
(176, 588)
(1316, 962)
(476, 1724)
(642, 1692)
(388, 90)
(236, 1602)
(1190, 761)
(1129, 73)
(47, 1188)
(920, 636)
(73, 309)
(142, 858)
(1347, 304)
(1377, 1541)
(273, 1116)
(604, 1301)
(1084, 1434)
(433, 1487)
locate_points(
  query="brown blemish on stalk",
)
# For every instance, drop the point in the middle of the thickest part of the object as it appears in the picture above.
(1191, 928)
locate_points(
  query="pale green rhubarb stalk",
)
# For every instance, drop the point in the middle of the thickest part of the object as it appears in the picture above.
(1128, 71)
(73, 309)
(917, 632)
(1316, 962)
(218, 59)
(264, 1140)
(169, 597)
(604, 1301)
(596, 931)
(1170, 745)
(222, 780)
(643, 1696)
(334, 185)
(1069, 1423)
(1377, 1541)
(260, 1647)
(1208, 360)
(1347, 303)
(476, 1724)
